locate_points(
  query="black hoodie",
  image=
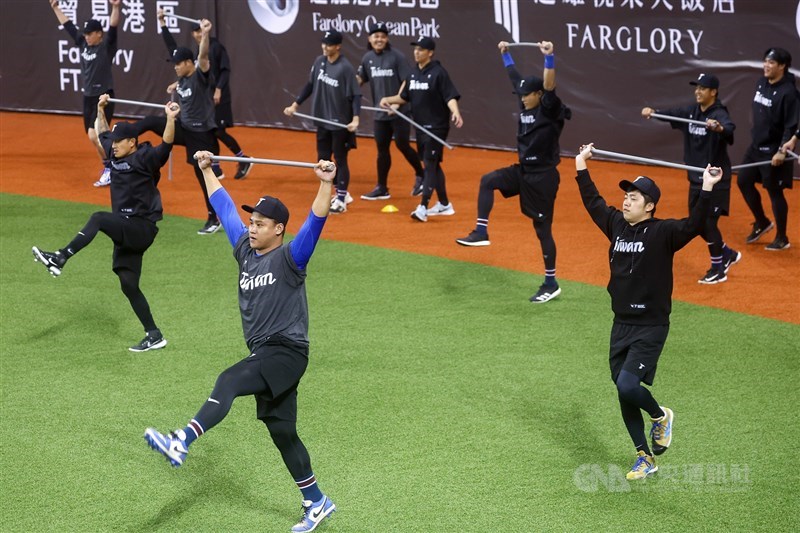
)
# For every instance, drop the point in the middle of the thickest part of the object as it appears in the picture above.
(702, 146)
(640, 255)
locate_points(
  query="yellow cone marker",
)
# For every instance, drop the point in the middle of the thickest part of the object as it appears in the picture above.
(389, 209)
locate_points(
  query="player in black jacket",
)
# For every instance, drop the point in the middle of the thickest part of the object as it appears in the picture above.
(434, 103)
(385, 68)
(135, 210)
(336, 97)
(223, 109)
(640, 257)
(702, 146)
(775, 109)
(97, 53)
(535, 178)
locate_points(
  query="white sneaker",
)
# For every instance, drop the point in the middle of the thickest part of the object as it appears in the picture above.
(420, 213)
(348, 199)
(313, 514)
(439, 209)
(105, 178)
(338, 206)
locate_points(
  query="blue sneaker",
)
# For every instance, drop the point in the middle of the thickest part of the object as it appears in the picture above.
(661, 432)
(172, 446)
(643, 467)
(313, 514)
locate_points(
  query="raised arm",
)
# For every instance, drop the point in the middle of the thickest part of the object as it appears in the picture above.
(549, 74)
(169, 40)
(602, 214)
(100, 123)
(116, 13)
(62, 18)
(202, 55)
(220, 200)
(172, 110)
(302, 246)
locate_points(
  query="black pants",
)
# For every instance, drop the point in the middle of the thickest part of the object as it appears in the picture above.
(132, 237)
(271, 373)
(401, 131)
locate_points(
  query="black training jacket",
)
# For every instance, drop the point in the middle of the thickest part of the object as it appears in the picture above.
(640, 256)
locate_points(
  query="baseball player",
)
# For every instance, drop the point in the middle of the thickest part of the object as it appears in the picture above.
(640, 258)
(195, 129)
(272, 300)
(223, 109)
(97, 52)
(135, 210)
(535, 179)
(385, 68)
(337, 98)
(775, 108)
(434, 102)
(707, 145)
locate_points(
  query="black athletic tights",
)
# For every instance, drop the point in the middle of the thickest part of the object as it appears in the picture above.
(633, 399)
(384, 130)
(780, 207)
(112, 225)
(244, 379)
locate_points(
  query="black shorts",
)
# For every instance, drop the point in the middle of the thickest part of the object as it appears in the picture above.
(282, 363)
(536, 190)
(428, 148)
(223, 115)
(720, 201)
(90, 110)
(770, 177)
(636, 349)
(332, 142)
(138, 235)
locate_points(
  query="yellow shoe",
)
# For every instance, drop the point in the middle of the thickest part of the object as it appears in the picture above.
(661, 432)
(643, 467)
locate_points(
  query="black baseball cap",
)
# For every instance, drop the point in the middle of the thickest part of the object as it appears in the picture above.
(425, 42)
(195, 26)
(644, 185)
(270, 207)
(530, 85)
(123, 130)
(779, 55)
(706, 80)
(378, 27)
(92, 25)
(182, 54)
(332, 37)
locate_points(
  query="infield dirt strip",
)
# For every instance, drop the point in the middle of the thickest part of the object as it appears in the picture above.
(49, 156)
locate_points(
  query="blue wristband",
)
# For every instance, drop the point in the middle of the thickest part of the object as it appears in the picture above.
(507, 59)
(550, 61)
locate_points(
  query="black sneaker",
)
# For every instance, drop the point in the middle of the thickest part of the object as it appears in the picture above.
(733, 258)
(378, 193)
(417, 190)
(713, 276)
(545, 293)
(758, 231)
(212, 226)
(52, 261)
(476, 238)
(242, 171)
(154, 340)
(780, 243)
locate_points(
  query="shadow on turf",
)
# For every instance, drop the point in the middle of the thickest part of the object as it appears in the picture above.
(204, 487)
(568, 427)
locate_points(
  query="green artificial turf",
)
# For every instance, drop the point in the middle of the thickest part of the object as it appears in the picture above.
(437, 399)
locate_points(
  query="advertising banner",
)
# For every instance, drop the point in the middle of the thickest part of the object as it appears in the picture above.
(613, 57)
